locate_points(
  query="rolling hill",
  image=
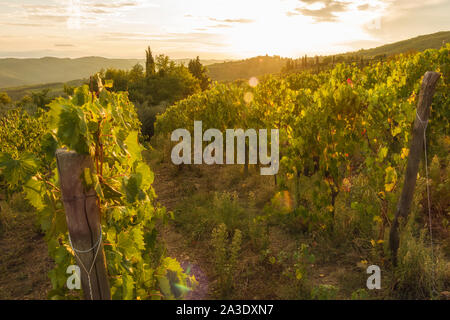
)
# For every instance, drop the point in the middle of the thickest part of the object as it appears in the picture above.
(258, 66)
(26, 72)
(54, 89)
(17, 74)
(245, 69)
(20, 72)
(420, 43)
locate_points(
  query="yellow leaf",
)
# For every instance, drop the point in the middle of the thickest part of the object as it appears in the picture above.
(390, 179)
(109, 83)
(377, 219)
(405, 153)
(372, 242)
(298, 274)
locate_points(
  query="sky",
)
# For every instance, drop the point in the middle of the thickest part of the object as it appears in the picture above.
(212, 29)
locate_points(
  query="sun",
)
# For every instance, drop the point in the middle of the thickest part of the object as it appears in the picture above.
(273, 32)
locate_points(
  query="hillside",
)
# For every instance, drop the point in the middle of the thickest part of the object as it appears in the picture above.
(420, 43)
(244, 69)
(19, 72)
(55, 89)
(25, 72)
(258, 66)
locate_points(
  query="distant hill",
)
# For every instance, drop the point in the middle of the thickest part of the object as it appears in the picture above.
(420, 43)
(19, 72)
(206, 62)
(25, 72)
(255, 67)
(54, 71)
(54, 89)
(245, 69)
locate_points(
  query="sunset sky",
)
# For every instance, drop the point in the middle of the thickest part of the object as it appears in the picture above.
(213, 29)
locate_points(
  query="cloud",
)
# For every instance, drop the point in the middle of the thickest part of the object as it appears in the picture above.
(17, 24)
(235, 20)
(188, 38)
(403, 19)
(232, 20)
(86, 10)
(364, 7)
(49, 17)
(326, 13)
(64, 45)
(221, 25)
(114, 4)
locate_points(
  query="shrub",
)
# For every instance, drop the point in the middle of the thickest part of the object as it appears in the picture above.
(226, 256)
(417, 276)
(324, 292)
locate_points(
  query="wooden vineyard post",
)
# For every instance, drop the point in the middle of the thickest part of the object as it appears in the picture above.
(416, 152)
(83, 222)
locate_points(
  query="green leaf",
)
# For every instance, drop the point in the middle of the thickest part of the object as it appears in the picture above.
(133, 146)
(131, 186)
(33, 190)
(382, 154)
(49, 145)
(164, 285)
(72, 129)
(128, 287)
(138, 236)
(19, 170)
(81, 96)
(145, 174)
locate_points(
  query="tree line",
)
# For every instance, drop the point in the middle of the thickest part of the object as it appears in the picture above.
(152, 88)
(322, 63)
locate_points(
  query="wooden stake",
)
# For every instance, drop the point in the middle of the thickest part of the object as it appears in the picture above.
(83, 222)
(415, 154)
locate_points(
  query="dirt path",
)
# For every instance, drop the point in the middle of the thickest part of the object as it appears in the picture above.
(24, 261)
(189, 255)
(172, 186)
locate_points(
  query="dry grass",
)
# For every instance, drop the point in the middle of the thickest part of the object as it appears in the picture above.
(24, 260)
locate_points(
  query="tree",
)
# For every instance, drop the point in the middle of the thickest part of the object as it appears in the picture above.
(69, 90)
(171, 82)
(119, 77)
(199, 71)
(25, 102)
(41, 98)
(164, 65)
(150, 68)
(136, 83)
(136, 74)
(4, 98)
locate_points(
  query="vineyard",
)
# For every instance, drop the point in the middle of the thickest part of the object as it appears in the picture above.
(221, 231)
